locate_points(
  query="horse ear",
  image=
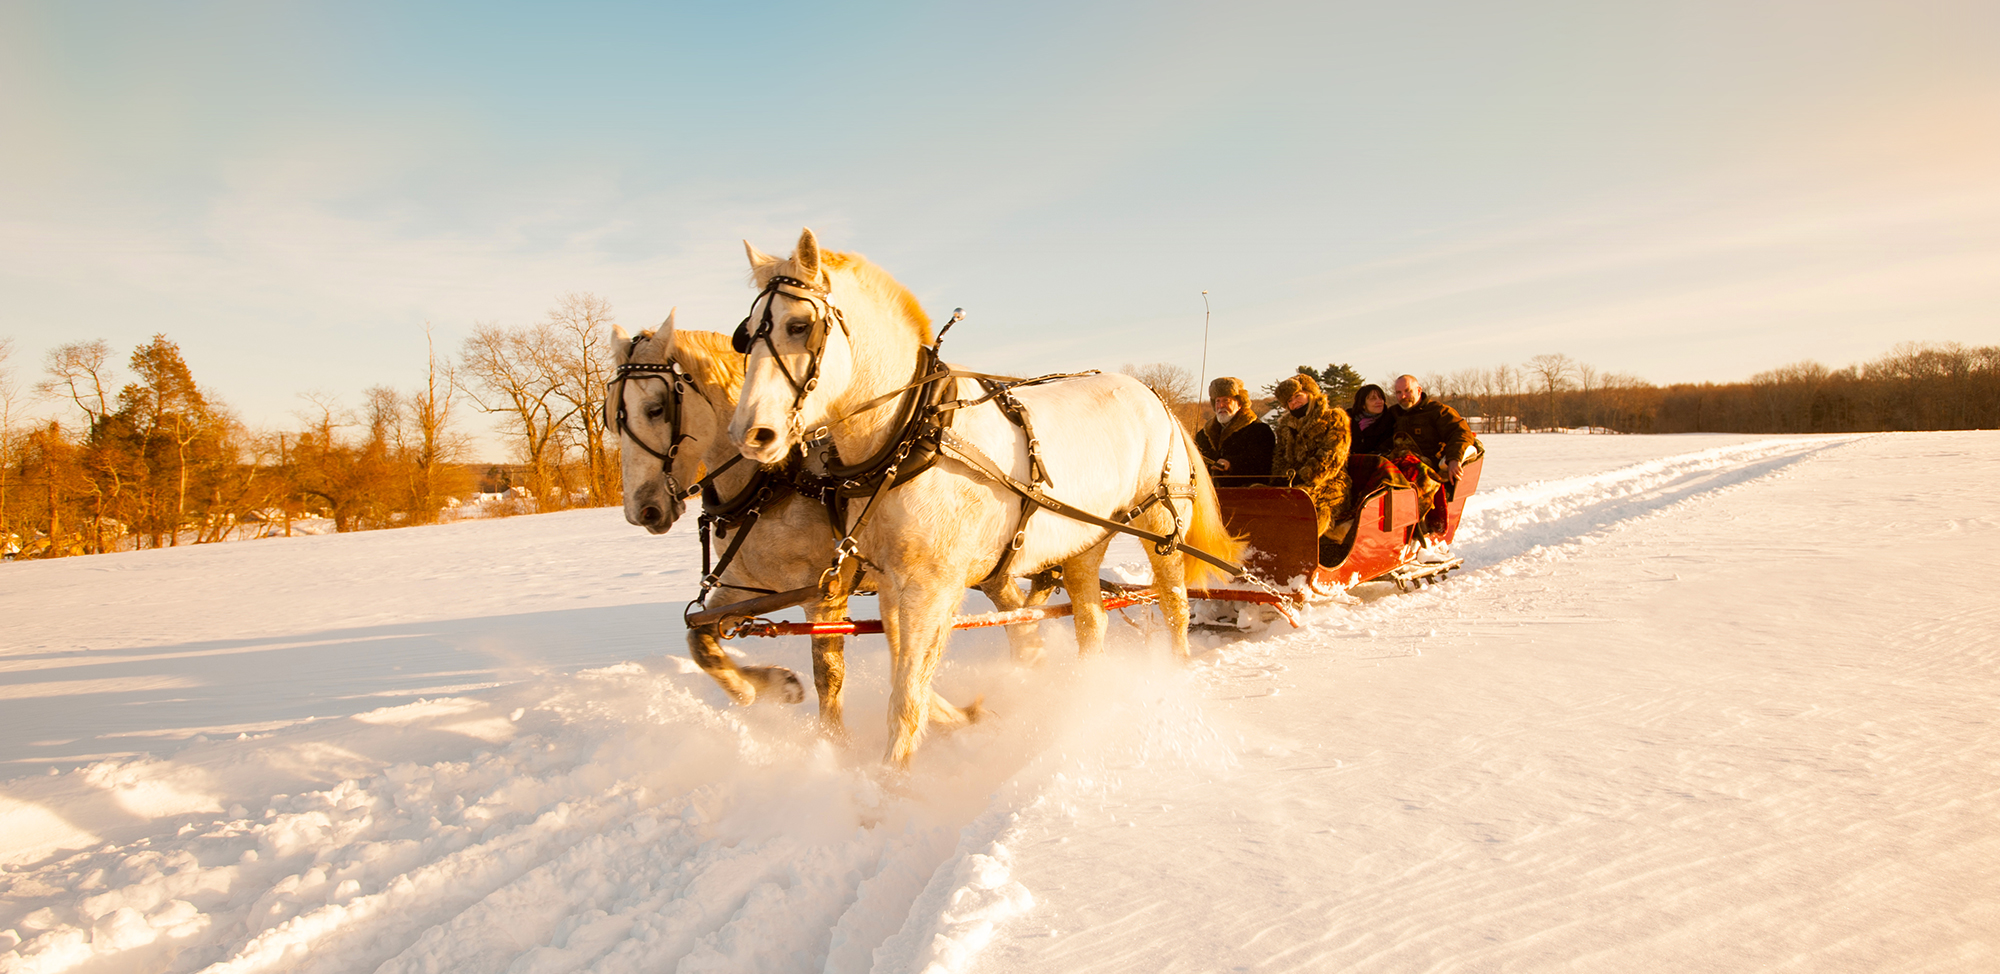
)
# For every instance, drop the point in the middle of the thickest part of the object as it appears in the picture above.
(805, 259)
(621, 344)
(665, 336)
(757, 257)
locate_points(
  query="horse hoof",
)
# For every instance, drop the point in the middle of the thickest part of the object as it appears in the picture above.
(777, 683)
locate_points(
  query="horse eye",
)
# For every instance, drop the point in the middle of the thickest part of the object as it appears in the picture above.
(655, 410)
(796, 328)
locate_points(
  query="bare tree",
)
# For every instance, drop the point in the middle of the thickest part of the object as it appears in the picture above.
(431, 443)
(1174, 385)
(1587, 381)
(581, 324)
(80, 372)
(518, 375)
(1464, 382)
(1552, 374)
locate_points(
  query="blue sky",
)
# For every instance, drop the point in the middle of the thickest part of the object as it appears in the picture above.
(1675, 191)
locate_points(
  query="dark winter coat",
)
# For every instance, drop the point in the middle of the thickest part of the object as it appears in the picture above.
(1312, 455)
(1433, 430)
(1374, 439)
(1245, 443)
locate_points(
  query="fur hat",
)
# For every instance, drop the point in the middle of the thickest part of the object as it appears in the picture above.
(1294, 384)
(1229, 387)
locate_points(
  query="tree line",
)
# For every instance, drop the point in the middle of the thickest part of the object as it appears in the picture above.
(1916, 386)
(154, 459)
(92, 460)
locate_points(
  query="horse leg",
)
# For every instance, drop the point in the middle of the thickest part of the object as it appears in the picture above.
(1042, 584)
(1025, 639)
(1170, 587)
(743, 684)
(916, 624)
(1169, 580)
(830, 654)
(1087, 597)
(830, 667)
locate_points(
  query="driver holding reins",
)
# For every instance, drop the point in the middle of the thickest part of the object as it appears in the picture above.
(1237, 447)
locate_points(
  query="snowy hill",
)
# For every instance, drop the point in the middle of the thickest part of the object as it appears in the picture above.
(1699, 703)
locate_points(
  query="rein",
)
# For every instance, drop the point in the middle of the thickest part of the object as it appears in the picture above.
(924, 435)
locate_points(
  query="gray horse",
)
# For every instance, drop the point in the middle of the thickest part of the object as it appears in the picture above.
(789, 544)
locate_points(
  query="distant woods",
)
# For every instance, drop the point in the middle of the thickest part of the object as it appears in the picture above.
(138, 454)
(103, 453)
(1917, 386)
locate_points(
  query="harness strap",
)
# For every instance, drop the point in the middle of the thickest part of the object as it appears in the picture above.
(745, 508)
(992, 383)
(846, 549)
(712, 579)
(1006, 562)
(715, 508)
(858, 478)
(958, 448)
(1012, 408)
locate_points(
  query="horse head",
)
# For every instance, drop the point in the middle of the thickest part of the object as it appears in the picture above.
(826, 330)
(665, 426)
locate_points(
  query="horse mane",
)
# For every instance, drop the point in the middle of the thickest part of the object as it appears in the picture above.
(710, 360)
(870, 277)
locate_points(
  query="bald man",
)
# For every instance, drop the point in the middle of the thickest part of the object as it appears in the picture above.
(1435, 431)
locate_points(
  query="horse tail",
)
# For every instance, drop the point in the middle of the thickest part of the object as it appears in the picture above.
(1205, 529)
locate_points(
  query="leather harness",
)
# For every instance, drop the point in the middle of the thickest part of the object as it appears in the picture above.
(924, 434)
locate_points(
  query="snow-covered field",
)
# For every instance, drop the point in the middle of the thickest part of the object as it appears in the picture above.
(1699, 703)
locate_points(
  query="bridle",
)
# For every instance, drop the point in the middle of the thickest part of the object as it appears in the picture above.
(678, 384)
(825, 316)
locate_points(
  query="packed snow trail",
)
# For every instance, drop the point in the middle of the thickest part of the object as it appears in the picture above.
(1592, 750)
(1738, 727)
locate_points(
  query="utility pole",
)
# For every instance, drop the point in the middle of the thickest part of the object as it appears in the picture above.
(1202, 389)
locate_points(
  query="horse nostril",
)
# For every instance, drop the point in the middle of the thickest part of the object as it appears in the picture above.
(763, 436)
(649, 514)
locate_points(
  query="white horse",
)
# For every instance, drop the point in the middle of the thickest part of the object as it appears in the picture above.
(833, 337)
(675, 393)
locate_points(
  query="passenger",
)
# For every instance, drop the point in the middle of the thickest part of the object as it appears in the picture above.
(1435, 431)
(1369, 417)
(1236, 446)
(1313, 440)
(1430, 440)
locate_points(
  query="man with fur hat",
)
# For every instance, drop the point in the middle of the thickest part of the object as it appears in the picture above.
(1313, 440)
(1237, 447)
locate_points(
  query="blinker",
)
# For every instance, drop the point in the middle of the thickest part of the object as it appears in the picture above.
(740, 341)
